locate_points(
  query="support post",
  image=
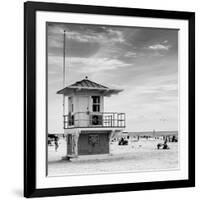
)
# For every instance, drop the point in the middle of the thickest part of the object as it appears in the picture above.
(76, 137)
(111, 135)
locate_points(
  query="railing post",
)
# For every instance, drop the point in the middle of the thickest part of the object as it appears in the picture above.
(63, 121)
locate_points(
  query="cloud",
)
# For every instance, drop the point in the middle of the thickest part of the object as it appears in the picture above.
(159, 47)
(116, 35)
(82, 34)
(91, 65)
(130, 54)
(97, 64)
(86, 41)
(89, 36)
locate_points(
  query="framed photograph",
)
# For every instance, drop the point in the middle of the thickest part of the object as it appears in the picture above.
(109, 99)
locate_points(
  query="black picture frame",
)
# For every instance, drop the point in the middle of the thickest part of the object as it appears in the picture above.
(30, 9)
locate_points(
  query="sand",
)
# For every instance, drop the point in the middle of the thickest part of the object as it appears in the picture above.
(141, 155)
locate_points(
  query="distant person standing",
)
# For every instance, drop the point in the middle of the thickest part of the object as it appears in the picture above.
(56, 143)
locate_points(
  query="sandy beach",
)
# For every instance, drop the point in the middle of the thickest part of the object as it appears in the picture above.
(141, 155)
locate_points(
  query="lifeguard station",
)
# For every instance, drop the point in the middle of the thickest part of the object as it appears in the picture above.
(87, 127)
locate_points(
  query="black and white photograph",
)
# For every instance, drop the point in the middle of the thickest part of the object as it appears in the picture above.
(112, 99)
(109, 95)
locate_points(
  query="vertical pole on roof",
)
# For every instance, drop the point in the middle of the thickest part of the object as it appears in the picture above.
(64, 75)
(66, 157)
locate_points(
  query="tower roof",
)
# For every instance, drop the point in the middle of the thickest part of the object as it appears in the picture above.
(87, 85)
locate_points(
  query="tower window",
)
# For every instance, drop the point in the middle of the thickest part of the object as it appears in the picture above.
(96, 103)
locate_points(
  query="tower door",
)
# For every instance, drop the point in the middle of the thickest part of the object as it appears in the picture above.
(83, 115)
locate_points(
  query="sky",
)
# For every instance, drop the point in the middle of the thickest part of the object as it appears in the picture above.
(141, 61)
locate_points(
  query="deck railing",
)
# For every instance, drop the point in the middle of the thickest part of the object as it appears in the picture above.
(95, 119)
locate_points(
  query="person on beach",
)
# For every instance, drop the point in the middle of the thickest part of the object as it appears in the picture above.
(56, 144)
(164, 145)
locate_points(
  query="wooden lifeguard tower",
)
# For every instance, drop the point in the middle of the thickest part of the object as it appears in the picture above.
(87, 127)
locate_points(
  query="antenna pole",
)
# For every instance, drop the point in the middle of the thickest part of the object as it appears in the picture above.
(64, 58)
(64, 75)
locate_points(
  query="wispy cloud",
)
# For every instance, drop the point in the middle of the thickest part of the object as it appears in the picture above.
(108, 35)
(159, 47)
(130, 54)
(97, 64)
(89, 65)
